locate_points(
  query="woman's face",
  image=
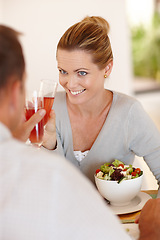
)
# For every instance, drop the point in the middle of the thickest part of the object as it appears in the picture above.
(79, 76)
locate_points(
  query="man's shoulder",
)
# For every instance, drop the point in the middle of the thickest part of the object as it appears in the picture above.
(30, 156)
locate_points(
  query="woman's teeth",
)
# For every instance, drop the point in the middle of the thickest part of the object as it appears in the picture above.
(77, 92)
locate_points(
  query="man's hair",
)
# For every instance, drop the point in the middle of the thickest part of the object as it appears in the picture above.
(12, 61)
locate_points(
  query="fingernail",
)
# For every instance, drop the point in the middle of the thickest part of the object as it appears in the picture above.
(42, 112)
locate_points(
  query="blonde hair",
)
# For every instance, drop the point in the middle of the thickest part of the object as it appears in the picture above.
(90, 34)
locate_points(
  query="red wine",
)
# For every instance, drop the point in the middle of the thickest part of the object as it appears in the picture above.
(48, 103)
(37, 132)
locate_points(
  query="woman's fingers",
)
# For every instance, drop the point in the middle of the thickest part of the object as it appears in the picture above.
(49, 139)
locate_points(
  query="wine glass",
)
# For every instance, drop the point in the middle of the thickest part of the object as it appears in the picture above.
(48, 90)
(35, 102)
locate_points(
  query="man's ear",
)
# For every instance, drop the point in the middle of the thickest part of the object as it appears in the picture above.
(108, 68)
(15, 91)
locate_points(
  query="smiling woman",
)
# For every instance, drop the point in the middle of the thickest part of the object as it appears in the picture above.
(98, 123)
(88, 102)
(78, 75)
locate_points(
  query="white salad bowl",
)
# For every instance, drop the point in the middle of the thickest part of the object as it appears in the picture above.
(119, 194)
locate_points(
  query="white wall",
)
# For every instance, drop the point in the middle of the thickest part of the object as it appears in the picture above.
(44, 21)
(149, 180)
(1, 10)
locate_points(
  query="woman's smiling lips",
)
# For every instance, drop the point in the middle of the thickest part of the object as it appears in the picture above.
(77, 92)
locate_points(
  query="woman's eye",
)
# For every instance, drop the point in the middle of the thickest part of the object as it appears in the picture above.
(62, 71)
(82, 73)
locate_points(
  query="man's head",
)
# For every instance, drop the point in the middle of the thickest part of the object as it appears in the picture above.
(11, 56)
(12, 69)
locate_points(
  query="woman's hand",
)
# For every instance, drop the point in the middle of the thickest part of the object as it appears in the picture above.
(23, 131)
(49, 138)
(149, 220)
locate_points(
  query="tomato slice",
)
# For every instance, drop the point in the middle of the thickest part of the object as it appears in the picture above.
(138, 170)
(97, 171)
(121, 165)
(134, 173)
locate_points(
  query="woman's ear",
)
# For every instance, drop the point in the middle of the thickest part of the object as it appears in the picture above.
(108, 68)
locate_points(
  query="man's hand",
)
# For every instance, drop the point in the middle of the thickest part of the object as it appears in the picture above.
(149, 220)
(23, 131)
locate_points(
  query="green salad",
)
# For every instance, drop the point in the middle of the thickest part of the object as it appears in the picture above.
(118, 171)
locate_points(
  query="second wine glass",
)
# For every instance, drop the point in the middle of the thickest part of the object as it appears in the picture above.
(48, 90)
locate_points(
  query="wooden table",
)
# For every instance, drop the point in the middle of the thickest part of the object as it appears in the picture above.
(130, 218)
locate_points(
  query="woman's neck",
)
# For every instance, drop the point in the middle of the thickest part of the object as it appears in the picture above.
(94, 107)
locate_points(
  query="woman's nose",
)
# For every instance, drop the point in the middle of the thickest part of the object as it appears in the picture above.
(72, 82)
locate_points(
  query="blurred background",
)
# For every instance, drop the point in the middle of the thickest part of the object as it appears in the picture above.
(134, 35)
(44, 21)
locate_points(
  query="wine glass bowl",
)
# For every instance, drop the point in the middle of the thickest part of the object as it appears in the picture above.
(34, 102)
